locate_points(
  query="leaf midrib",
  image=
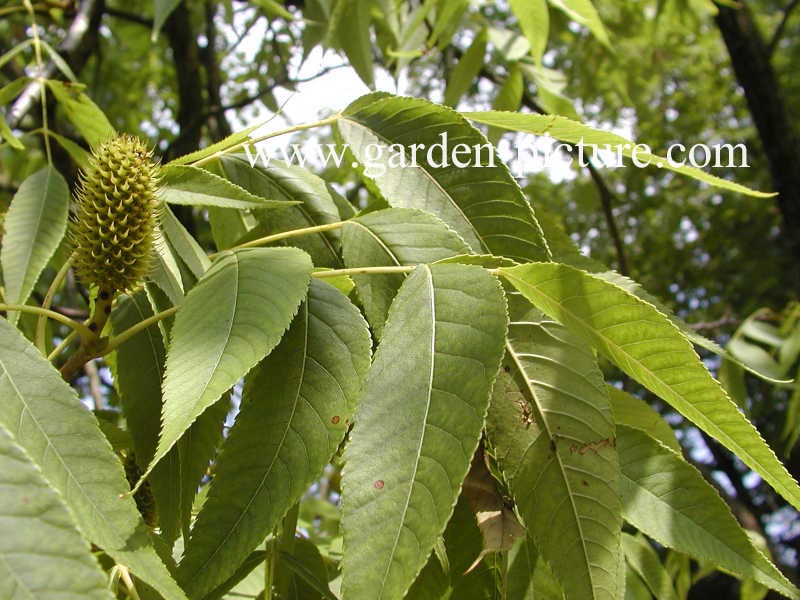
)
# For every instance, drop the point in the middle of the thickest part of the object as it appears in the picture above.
(562, 467)
(688, 406)
(686, 517)
(412, 479)
(56, 453)
(268, 470)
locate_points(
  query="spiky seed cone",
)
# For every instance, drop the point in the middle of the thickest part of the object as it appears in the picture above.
(115, 223)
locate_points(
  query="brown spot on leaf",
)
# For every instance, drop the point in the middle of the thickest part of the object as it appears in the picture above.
(379, 484)
(335, 419)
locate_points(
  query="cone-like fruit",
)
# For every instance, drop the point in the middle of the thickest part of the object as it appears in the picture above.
(117, 212)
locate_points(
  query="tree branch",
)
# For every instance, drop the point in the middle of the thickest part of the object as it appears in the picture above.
(217, 123)
(76, 47)
(776, 36)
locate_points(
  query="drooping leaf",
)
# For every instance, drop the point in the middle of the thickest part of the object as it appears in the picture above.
(483, 205)
(42, 554)
(287, 182)
(447, 577)
(668, 500)
(567, 130)
(551, 431)
(138, 377)
(350, 32)
(465, 71)
(296, 407)
(649, 347)
(528, 576)
(239, 309)
(641, 556)
(61, 437)
(393, 236)
(508, 97)
(166, 273)
(584, 12)
(418, 424)
(197, 187)
(33, 228)
(534, 22)
(85, 115)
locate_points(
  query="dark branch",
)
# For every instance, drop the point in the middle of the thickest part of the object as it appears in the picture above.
(126, 16)
(776, 36)
(217, 123)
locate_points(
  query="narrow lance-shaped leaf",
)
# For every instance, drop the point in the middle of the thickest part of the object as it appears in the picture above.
(296, 407)
(551, 431)
(429, 157)
(49, 422)
(646, 345)
(33, 228)
(390, 237)
(466, 70)
(584, 12)
(641, 556)
(42, 554)
(668, 500)
(84, 114)
(567, 130)
(418, 424)
(197, 187)
(228, 322)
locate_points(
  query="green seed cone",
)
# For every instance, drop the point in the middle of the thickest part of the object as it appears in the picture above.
(117, 212)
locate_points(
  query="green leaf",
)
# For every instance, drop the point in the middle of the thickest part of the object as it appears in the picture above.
(287, 182)
(442, 579)
(42, 554)
(509, 97)
(33, 228)
(483, 205)
(584, 13)
(465, 71)
(296, 407)
(646, 345)
(528, 576)
(84, 114)
(219, 148)
(668, 500)
(551, 432)
(394, 236)
(350, 31)
(239, 310)
(184, 244)
(49, 422)
(418, 424)
(567, 130)
(641, 556)
(166, 273)
(138, 376)
(58, 61)
(534, 22)
(162, 10)
(197, 187)
(633, 412)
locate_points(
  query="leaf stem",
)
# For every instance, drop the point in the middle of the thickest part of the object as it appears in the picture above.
(293, 129)
(82, 329)
(363, 271)
(123, 337)
(268, 239)
(64, 343)
(48, 301)
(37, 52)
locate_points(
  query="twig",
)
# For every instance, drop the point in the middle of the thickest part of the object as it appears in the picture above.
(32, 92)
(95, 387)
(776, 37)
